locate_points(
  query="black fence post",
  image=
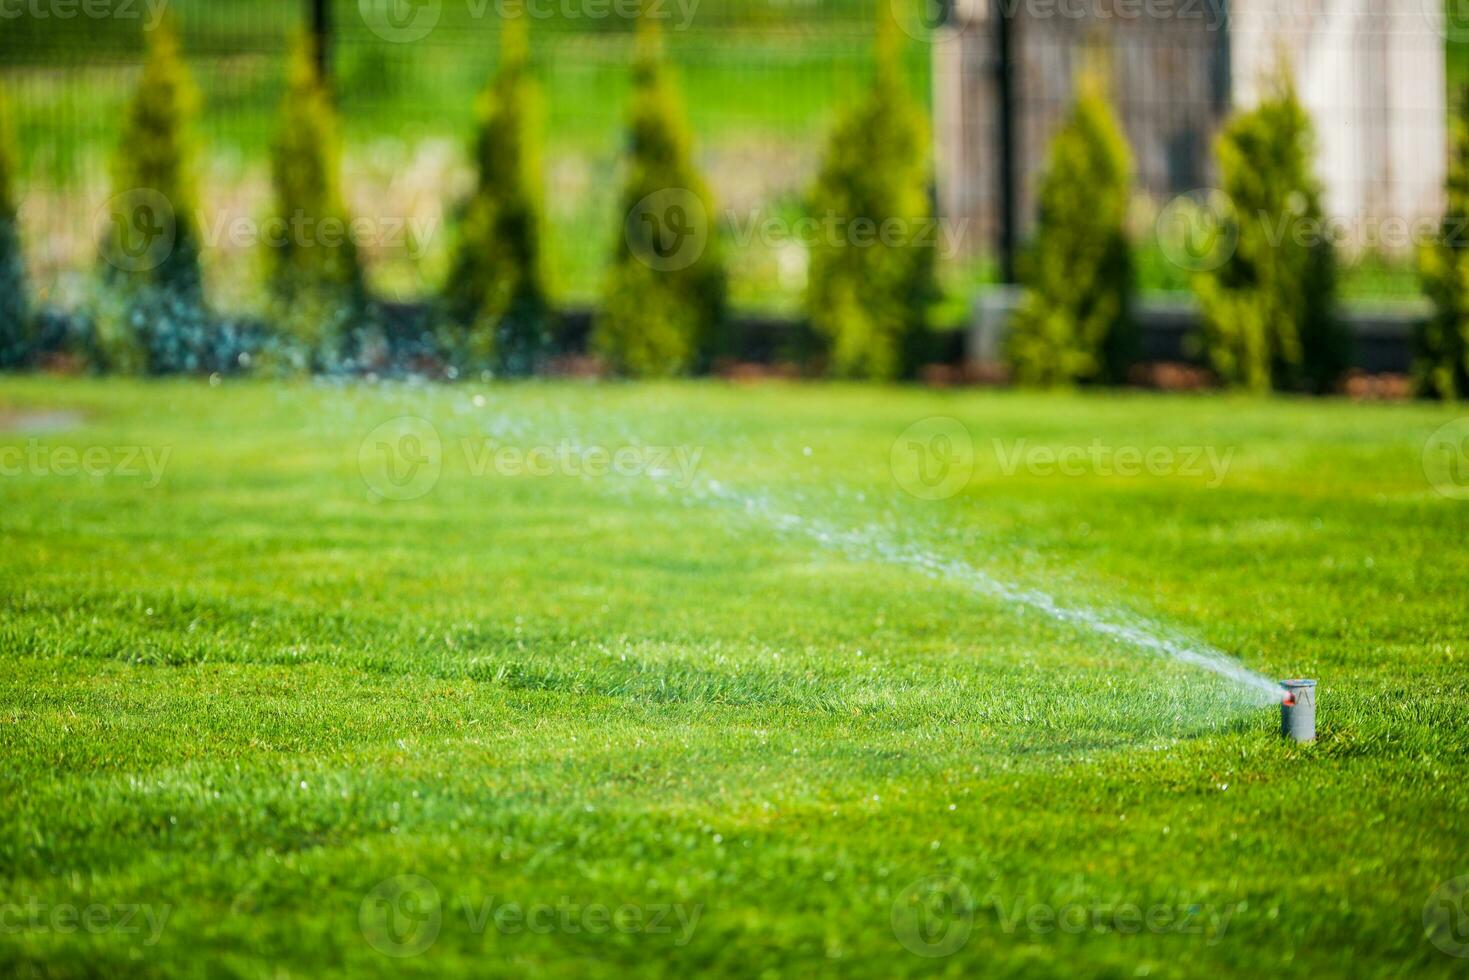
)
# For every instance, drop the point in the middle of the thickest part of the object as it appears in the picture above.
(321, 30)
(1005, 96)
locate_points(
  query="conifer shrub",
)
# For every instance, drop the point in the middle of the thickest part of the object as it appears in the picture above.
(318, 297)
(16, 328)
(496, 299)
(1441, 357)
(663, 306)
(1074, 321)
(868, 297)
(151, 316)
(1269, 310)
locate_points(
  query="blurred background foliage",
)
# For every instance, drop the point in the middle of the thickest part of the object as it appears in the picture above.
(764, 82)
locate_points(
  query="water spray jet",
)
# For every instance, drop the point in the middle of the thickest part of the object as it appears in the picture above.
(1298, 711)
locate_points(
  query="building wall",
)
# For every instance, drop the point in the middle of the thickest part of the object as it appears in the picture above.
(1372, 74)
(1370, 71)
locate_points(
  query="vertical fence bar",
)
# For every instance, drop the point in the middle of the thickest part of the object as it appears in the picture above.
(1005, 95)
(321, 30)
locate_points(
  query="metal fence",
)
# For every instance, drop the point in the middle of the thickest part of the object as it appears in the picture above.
(1371, 73)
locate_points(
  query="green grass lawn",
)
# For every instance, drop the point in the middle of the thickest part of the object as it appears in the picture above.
(718, 721)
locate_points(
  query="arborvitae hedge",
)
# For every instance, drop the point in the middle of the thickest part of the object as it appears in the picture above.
(1269, 311)
(664, 304)
(1441, 365)
(1074, 322)
(153, 318)
(496, 297)
(868, 299)
(318, 296)
(15, 316)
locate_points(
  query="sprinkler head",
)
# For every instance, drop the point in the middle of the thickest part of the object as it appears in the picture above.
(1298, 711)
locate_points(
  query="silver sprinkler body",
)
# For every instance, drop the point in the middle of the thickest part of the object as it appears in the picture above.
(1298, 711)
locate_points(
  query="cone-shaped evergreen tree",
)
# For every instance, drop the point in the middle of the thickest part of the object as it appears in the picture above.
(1441, 366)
(496, 297)
(1268, 311)
(665, 299)
(154, 320)
(1074, 321)
(318, 296)
(15, 321)
(868, 296)
(156, 154)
